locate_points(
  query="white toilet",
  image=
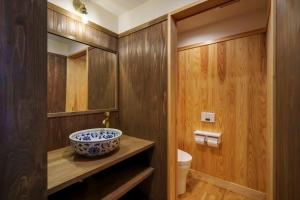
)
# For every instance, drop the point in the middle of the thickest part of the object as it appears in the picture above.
(183, 165)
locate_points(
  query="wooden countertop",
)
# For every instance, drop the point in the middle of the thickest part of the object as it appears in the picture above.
(66, 168)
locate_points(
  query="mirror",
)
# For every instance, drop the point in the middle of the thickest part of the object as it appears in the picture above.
(80, 77)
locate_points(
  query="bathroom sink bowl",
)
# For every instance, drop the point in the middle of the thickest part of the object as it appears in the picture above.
(95, 142)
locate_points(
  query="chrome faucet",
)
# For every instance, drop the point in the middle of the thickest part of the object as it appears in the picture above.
(106, 120)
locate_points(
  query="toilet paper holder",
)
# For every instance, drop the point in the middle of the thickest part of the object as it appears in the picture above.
(210, 138)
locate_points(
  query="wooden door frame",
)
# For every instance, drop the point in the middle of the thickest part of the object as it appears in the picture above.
(173, 17)
(171, 119)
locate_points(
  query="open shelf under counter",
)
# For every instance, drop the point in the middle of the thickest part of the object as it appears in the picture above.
(110, 184)
(66, 168)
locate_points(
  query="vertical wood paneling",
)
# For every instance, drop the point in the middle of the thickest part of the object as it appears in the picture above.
(80, 33)
(50, 19)
(57, 75)
(59, 22)
(60, 128)
(229, 79)
(64, 25)
(102, 79)
(287, 91)
(71, 26)
(77, 84)
(23, 99)
(143, 96)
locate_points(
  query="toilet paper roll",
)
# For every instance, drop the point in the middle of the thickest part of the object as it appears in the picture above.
(200, 139)
(212, 142)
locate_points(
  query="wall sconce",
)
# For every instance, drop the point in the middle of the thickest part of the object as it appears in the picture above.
(80, 7)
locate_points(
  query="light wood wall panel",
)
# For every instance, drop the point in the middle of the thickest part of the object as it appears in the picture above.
(229, 79)
(102, 79)
(57, 73)
(270, 49)
(77, 84)
(143, 96)
(64, 23)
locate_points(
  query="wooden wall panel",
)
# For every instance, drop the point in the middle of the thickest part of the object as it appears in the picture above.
(23, 99)
(50, 18)
(287, 91)
(77, 84)
(172, 105)
(270, 49)
(102, 79)
(60, 128)
(64, 23)
(143, 96)
(229, 79)
(59, 22)
(57, 75)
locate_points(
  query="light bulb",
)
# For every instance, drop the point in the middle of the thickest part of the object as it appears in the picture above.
(84, 19)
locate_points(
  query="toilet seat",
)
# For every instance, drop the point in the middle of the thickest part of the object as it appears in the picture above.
(183, 158)
(184, 161)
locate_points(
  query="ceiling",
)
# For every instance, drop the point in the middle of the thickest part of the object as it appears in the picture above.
(236, 9)
(118, 7)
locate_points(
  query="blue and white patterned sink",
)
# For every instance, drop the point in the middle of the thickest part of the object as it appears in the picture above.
(95, 142)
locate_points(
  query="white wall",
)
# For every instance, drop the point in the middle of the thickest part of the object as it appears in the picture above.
(221, 29)
(63, 46)
(148, 11)
(57, 47)
(77, 47)
(96, 13)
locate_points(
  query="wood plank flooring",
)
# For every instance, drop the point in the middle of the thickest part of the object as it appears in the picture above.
(201, 190)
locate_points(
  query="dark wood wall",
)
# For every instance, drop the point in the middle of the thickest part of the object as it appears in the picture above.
(143, 96)
(61, 22)
(65, 24)
(102, 79)
(287, 126)
(79, 86)
(59, 128)
(57, 75)
(23, 99)
(101, 64)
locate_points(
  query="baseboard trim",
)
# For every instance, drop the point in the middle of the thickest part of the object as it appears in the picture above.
(245, 191)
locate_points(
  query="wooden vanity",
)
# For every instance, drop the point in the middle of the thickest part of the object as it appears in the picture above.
(87, 79)
(71, 176)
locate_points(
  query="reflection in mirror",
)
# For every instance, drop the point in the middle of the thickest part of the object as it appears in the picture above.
(80, 77)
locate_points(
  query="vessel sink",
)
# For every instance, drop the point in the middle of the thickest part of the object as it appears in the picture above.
(95, 142)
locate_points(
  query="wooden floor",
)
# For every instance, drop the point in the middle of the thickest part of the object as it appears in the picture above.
(200, 190)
